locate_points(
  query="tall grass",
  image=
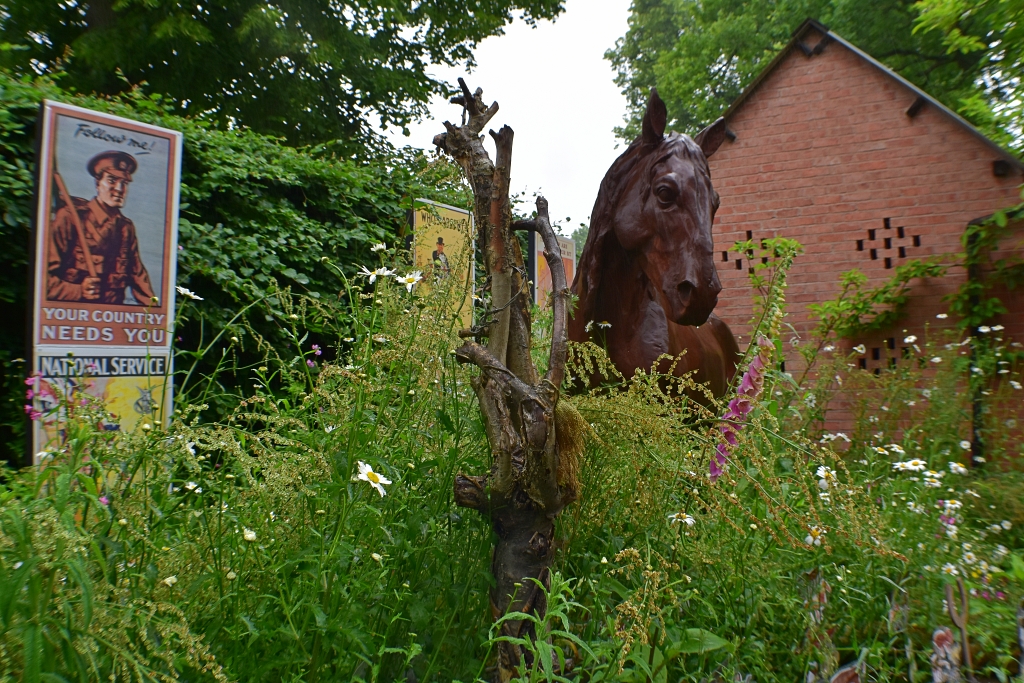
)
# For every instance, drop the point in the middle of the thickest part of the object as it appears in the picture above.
(250, 549)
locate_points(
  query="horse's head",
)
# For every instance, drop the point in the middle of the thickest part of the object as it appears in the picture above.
(661, 208)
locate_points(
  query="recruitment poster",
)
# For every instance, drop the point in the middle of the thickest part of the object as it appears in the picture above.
(442, 250)
(541, 274)
(105, 258)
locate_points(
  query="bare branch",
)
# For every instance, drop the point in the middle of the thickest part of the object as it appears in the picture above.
(527, 225)
(495, 370)
(560, 296)
(479, 115)
(471, 492)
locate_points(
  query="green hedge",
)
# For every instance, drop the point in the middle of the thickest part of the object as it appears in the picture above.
(256, 216)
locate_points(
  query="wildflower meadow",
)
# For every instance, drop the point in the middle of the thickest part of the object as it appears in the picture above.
(310, 533)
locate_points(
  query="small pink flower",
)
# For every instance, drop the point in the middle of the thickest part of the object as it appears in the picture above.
(29, 395)
(741, 406)
(310, 363)
(717, 465)
(316, 349)
(104, 500)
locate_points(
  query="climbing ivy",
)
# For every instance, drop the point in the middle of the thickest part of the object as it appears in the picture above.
(973, 301)
(859, 309)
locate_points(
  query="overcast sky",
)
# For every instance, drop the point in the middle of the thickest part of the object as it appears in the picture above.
(555, 90)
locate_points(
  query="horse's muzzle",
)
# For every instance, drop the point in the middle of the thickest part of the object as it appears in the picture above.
(692, 304)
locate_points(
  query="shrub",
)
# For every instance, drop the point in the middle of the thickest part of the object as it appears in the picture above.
(257, 217)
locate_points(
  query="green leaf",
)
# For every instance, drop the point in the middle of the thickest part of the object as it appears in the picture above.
(698, 641)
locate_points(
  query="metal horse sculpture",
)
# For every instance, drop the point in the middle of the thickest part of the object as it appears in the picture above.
(648, 266)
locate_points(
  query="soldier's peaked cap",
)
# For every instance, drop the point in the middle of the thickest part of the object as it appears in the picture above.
(116, 163)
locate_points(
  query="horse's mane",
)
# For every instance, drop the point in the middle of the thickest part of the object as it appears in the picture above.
(639, 159)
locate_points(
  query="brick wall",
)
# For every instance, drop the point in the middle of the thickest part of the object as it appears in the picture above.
(826, 154)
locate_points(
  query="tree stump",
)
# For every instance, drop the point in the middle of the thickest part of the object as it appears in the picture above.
(527, 485)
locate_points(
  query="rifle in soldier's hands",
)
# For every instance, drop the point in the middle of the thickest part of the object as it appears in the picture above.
(91, 285)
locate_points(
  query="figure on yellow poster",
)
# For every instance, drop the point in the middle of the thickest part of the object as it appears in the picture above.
(442, 245)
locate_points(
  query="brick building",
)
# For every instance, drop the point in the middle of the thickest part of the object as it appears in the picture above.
(832, 148)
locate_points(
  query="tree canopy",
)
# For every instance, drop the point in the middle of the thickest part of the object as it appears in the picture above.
(701, 55)
(992, 31)
(308, 70)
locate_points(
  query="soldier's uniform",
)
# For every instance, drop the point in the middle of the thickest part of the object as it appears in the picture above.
(111, 239)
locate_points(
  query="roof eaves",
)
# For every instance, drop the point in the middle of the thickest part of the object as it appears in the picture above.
(830, 35)
(765, 72)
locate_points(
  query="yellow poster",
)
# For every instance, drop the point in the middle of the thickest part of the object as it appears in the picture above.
(442, 250)
(140, 396)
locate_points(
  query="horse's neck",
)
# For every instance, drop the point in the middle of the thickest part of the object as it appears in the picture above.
(625, 298)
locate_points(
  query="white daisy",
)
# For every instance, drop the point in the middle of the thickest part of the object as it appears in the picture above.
(910, 340)
(189, 293)
(380, 246)
(950, 569)
(965, 444)
(375, 273)
(814, 537)
(376, 480)
(410, 280)
(861, 349)
(682, 518)
(957, 468)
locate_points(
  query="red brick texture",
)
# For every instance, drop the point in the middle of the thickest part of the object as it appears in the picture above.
(826, 154)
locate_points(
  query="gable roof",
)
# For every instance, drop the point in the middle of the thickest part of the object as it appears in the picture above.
(796, 42)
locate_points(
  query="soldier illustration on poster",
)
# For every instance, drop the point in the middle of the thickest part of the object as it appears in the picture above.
(93, 251)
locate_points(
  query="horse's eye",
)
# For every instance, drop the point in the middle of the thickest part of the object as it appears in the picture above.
(666, 194)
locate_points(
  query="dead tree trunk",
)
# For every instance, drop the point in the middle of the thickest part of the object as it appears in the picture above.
(522, 493)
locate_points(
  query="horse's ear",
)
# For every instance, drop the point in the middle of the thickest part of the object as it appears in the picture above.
(711, 138)
(654, 119)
